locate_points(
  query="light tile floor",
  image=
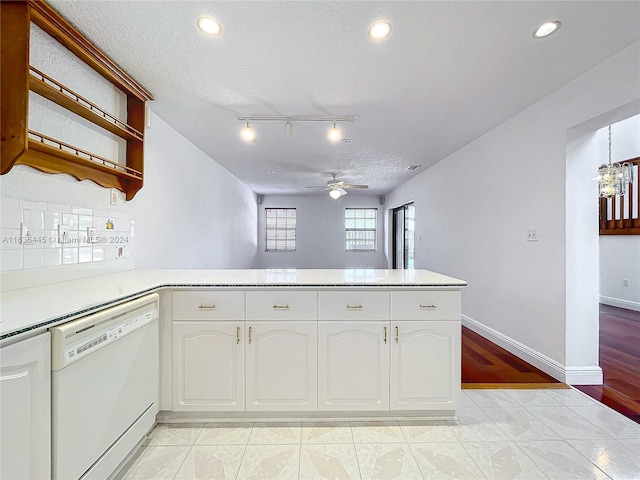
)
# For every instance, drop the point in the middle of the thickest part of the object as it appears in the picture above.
(500, 434)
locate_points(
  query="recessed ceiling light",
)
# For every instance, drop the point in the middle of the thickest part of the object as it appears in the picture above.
(546, 29)
(412, 168)
(347, 141)
(209, 26)
(272, 172)
(380, 30)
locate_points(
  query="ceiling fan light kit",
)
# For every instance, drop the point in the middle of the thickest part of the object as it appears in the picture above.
(337, 188)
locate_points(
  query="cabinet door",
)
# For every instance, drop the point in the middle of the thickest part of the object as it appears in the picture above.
(25, 409)
(208, 366)
(281, 366)
(425, 365)
(353, 365)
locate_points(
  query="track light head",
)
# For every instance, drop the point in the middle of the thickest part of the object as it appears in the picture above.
(248, 134)
(335, 134)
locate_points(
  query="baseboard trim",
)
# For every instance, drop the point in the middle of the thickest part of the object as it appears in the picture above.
(588, 375)
(620, 303)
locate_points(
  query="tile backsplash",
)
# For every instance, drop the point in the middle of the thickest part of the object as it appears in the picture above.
(31, 237)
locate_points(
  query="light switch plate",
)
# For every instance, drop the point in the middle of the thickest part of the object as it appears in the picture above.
(91, 235)
(25, 231)
(113, 196)
(63, 234)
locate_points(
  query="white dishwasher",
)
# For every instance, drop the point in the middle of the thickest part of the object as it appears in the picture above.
(104, 384)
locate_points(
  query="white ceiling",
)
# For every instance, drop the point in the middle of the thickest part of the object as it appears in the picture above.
(449, 72)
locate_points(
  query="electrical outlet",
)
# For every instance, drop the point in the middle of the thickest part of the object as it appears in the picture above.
(91, 235)
(625, 282)
(532, 235)
(113, 197)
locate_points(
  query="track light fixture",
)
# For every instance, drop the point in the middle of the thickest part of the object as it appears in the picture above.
(248, 134)
(334, 134)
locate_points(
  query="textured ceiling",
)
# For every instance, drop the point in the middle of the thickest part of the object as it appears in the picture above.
(449, 72)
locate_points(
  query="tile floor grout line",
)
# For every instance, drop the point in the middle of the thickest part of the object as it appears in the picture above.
(183, 460)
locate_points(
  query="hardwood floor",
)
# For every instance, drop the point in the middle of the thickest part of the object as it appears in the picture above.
(485, 364)
(620, 361)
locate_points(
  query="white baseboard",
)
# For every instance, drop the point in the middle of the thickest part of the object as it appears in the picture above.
(619, 302)
(588, 375)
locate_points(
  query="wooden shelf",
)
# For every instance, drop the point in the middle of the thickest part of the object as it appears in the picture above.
(49, 88)
(23, 146)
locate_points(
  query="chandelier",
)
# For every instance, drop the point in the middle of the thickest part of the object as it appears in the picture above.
(614, 178)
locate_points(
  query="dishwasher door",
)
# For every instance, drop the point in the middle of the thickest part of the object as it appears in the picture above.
(104, 388)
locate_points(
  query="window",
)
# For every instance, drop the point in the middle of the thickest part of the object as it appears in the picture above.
(281, 229)
(360, 229)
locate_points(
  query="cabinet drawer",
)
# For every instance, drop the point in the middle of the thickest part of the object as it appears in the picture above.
(208, 305)
(425, 305)
(353, 305)
(282, 305)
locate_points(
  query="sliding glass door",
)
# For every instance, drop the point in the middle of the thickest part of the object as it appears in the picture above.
(403, 236)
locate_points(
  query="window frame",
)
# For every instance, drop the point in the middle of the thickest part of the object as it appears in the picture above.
(278, 228)
(354, 229)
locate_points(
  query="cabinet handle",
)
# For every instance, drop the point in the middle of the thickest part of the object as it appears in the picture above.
(428, 306)
(237, 335)
(385, 335)
(206, 307)
(281, 306)
(355, 307)
(397, 333)
(249, 334)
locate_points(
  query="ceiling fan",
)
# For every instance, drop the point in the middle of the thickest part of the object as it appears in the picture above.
(336, 188)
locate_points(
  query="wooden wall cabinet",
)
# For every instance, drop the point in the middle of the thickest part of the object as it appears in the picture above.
(23, 146)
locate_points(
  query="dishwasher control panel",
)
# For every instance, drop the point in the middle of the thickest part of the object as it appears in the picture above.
(76, 339)
(104, 337)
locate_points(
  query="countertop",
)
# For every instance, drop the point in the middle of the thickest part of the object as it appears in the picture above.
(28, 310)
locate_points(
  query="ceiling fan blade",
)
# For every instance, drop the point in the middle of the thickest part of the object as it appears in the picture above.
(347, 185)
(316, 186)
(342, 191)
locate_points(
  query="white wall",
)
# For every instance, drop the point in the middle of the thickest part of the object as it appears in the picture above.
(320, 233)
(474, 208)
(620, 254)
(191, 212)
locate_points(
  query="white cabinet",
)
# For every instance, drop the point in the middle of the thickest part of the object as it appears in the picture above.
(425, 365)
(281, 366)
(329, 350)
(208, 366)
(25, 409)
(353, 365)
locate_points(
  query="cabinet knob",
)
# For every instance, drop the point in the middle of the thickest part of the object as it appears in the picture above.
(432, 306)
(283, 307)
(206, 307)
(355, 307)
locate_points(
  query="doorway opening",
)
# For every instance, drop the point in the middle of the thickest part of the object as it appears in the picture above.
(403, 236)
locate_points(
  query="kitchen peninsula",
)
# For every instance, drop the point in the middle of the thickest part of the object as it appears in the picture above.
(269, 344)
